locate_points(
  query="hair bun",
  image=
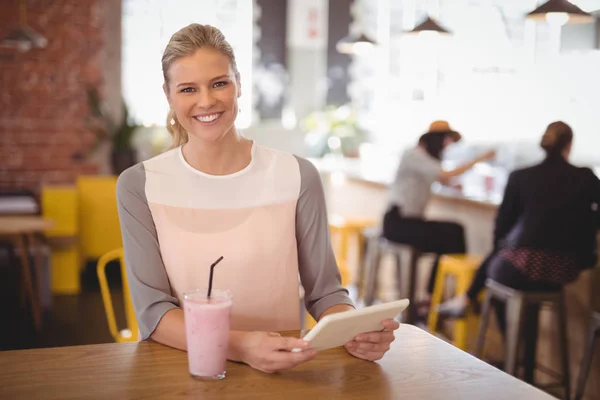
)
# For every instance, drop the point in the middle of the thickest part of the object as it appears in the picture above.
(557, 137)
(549, 139)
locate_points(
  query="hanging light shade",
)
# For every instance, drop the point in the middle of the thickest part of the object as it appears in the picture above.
(560, 12)
(24, 38)
(429, 25)
(355, 44)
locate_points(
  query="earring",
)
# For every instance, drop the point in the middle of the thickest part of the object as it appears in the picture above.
(172, 121)
(239, 110)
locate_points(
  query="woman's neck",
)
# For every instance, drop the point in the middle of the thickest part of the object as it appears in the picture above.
(225, 157)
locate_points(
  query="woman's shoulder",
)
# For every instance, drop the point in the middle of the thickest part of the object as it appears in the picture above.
(131, 181)
(135, 175)
(587, 171)
(417, 159)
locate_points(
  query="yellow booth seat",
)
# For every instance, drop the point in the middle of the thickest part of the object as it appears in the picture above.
(98, 217)
(60, 204)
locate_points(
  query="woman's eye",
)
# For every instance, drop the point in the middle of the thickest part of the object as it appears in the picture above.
(187, 90)
(220, 84)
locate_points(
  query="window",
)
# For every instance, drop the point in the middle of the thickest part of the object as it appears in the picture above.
(496, 76)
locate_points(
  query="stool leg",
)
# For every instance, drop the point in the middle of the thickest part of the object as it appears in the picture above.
(412, 311)
(344, 246)
(360, 268)
(471, 323)
(461, 325)
(514, 320)
(459, 334)
(532, 313)
(373, 260)
(586, 362)
(29, 283)
(398, 261)
(436, 300)
(563, 343)
(483, 324)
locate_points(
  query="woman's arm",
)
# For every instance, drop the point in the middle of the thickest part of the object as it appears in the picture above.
(338, 308)
(148, 281)
(170, 330)
(318, 269)
(445, 176)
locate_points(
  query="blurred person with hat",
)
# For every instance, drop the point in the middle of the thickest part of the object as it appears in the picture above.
(421, 166)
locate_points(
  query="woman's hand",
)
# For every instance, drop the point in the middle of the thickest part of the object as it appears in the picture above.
(270, 352)
(488, 155)
(373, 345)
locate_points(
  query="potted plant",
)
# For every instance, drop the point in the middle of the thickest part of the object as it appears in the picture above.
(333, 131)
(119, 133)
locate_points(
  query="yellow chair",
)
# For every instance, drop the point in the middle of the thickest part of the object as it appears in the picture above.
(60, 204)
(130, 334)
(346, 228)
(99, 226)
(462, 267)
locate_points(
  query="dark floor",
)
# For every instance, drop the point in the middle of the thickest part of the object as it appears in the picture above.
(69, 320)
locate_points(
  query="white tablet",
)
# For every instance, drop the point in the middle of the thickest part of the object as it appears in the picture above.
(336, 329)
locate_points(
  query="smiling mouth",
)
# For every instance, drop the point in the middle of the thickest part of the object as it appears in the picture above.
(208, 118)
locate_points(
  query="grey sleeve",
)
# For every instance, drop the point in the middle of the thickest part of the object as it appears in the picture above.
(148, 280)
(319, 272)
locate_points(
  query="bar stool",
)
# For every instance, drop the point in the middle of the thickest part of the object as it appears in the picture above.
(462, 267)
(377, 246)
(517, 302)
(588, 354)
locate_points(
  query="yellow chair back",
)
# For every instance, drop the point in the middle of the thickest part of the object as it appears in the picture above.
(100, 231)
(59, 203)
(130, 334)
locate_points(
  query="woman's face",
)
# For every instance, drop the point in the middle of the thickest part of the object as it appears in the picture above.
(203, 92)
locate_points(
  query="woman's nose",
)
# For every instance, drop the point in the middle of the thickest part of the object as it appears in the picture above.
(205, 99)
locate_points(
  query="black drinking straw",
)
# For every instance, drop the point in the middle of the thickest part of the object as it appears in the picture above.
(212, 267)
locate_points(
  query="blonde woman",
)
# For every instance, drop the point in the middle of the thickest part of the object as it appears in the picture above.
(217, 193)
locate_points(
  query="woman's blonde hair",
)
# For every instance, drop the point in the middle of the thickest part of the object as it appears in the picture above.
(184, 43)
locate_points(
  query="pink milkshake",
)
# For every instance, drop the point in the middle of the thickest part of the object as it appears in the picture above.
(207, 332)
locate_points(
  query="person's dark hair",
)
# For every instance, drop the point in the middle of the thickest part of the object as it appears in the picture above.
(433, 143)
(557, 137)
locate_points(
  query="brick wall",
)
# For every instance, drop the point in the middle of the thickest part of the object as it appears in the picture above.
(44, 135)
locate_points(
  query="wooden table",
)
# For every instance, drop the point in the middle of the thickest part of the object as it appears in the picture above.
(418, 366)
(21, 230)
